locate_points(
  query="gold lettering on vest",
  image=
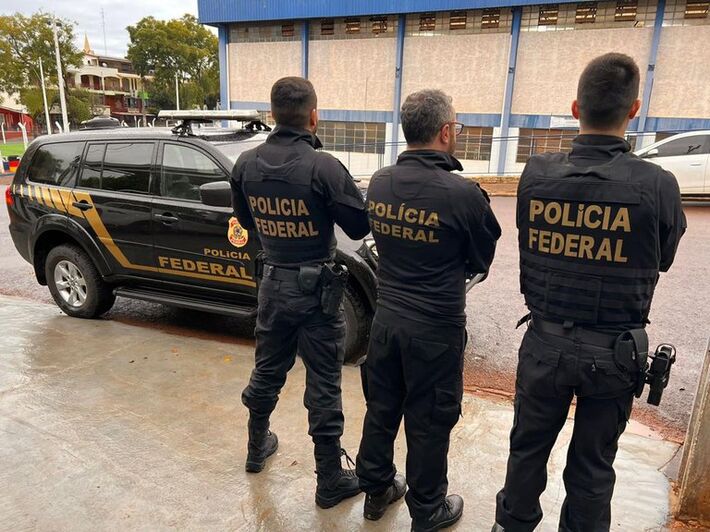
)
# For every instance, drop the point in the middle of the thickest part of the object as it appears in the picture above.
(621, 220)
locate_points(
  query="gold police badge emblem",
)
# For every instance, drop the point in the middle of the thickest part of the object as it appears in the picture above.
(238, 236)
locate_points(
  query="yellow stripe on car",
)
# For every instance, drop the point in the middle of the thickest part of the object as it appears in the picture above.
(100, 229)
(57, 198)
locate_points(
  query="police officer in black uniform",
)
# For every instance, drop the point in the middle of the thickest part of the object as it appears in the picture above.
(292, 195)
(595, 228)
(431, 228)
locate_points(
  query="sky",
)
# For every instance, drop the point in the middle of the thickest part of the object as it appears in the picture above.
(118, 14)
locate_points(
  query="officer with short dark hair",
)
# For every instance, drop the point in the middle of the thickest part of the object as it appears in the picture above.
(292, 195)
(432, 228)
(595, 228)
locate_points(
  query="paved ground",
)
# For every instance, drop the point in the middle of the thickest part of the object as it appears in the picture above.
(680, 315)
(108, 426)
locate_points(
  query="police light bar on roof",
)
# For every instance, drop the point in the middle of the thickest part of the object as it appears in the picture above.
(239, 115)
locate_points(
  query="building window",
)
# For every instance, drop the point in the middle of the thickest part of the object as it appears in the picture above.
(625, 11)
(353, 137)
(458, 20)
(696, 9)
(686, 13)
(330, 29)
(469, 22)
(490, 19)
(548, 15)
(586, 13)
(287, 30)
(327, 27)
(474, 144)
(534, 141)
(379, 25)
(591, 15)
(264, 32)
(427, 22)
(352, 25)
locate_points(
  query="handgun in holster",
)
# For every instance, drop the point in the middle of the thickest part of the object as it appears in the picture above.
(658, 372)
(334, 277)
(631, 354)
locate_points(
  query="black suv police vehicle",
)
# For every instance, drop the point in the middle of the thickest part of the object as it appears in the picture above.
(106, 212)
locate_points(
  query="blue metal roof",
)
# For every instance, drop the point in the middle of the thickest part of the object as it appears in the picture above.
(225, 11)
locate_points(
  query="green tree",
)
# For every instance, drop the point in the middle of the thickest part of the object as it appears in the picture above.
(31, 97)
(181, 47)
(24, 40)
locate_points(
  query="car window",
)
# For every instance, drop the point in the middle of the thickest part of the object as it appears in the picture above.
(686, 146)
(121, 167)
(56, 164)
(185, 169)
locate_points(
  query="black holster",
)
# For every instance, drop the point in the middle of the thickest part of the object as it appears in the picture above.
(631, 355)
(258, 269)
(309, 277)
(333, 280)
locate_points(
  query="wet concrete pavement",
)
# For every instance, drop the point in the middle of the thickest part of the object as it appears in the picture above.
(680, 314)
(107, 426)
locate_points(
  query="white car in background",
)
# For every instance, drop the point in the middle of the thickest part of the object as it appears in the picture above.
(687, 156)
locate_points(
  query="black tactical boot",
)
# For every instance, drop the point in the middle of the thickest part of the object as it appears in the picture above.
(334, 482)
(376, 505)
(443, 517)
(262, 444)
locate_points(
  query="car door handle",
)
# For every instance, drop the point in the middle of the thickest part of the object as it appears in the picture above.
(696, 164)
(82, 205)
(167, 218)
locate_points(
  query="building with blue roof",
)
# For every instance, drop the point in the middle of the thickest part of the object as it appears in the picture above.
(511, 67)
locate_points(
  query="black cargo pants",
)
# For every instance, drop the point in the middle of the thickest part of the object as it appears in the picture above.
(414, 370)
(289, 322)
(551, 370)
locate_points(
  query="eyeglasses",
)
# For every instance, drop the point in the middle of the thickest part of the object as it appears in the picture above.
(458, 127)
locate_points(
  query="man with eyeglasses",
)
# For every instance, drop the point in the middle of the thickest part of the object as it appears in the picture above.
(432, 228)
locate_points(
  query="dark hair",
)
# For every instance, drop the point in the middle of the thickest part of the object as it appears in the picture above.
(423, 115)
(607, 89)
(292, 100)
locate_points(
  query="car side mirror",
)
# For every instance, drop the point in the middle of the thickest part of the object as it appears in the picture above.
(651, 153)
(217, 194)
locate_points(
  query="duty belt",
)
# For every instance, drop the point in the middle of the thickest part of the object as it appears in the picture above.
(585, 336)
(285, 273)
(280, 273)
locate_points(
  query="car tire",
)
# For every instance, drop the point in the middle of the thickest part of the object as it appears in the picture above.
(358, 319)
(75, 284)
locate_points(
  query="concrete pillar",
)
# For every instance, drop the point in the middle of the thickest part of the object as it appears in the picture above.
(694, 496)
(398, 66)
(305, 37)
(650, 72)
(223, 55)
(509, 88)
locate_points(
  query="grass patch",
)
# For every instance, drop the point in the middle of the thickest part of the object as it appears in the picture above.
(14, 148)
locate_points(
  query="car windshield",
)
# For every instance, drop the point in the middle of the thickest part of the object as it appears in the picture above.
(234, 148)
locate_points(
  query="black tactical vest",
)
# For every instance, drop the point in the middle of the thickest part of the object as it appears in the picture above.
(588, 240)
(293, 223)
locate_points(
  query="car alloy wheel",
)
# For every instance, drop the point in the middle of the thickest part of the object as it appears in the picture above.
(70, 283)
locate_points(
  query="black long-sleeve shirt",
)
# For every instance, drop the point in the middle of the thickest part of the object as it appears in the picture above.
(431, 227)
(287, 168)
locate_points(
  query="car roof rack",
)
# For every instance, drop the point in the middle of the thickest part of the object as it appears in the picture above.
(190, 117)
